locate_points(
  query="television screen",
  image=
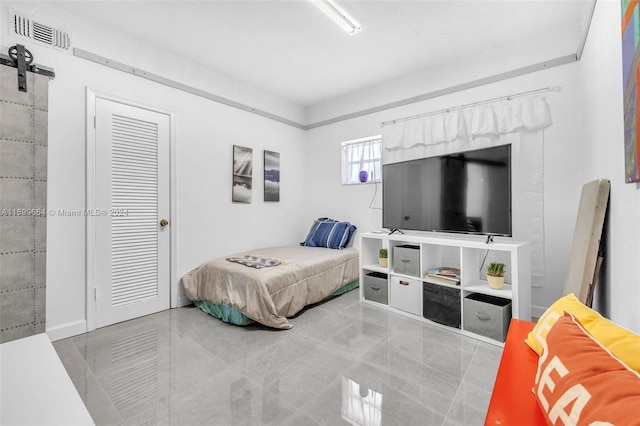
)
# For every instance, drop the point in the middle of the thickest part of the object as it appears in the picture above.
(467, 192)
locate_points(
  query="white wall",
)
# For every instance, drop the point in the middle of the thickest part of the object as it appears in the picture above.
(602, 88)
(208, 223)
(564, 162)
(495, 60)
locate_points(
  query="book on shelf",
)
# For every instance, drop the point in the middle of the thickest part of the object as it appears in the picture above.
(439, 279)
(445, 271)
(443, 275)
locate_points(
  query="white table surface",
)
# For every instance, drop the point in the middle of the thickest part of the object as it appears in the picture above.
(35, 389)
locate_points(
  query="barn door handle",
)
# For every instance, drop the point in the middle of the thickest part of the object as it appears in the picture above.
(164, 222)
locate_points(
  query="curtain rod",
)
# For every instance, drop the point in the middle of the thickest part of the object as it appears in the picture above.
(501, 98)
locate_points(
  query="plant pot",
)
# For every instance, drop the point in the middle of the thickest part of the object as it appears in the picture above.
(495, 283)
(383, 261)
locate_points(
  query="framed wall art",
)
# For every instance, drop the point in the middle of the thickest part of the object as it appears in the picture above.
(630, 54)
(242, 174)
(271, 176)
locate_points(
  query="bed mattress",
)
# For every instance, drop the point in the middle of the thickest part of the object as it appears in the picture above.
(306, 275)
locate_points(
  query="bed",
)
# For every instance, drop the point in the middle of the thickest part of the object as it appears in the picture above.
(284, 281)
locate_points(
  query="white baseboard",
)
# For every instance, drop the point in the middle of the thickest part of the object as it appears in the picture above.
(182, 300)
(71, 329)
(178, 296)
(67, 330)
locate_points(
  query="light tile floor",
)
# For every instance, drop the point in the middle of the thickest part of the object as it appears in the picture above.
(344, 362)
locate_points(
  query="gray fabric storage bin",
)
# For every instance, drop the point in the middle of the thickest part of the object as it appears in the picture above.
(487, 315)
(441, 304)
(376, 287)
(406, 260)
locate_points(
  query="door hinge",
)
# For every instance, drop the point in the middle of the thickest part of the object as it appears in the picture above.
(94, 122)
(95, 293)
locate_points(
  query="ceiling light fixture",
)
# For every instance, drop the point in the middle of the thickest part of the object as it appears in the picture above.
(339, 16)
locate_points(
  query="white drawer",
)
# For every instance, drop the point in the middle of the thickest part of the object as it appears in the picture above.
(406, 294)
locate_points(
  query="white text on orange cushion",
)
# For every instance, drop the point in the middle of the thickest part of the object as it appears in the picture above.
(576, 393)
(542, 329)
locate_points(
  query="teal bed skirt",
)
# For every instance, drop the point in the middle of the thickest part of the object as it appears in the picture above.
(233, 316)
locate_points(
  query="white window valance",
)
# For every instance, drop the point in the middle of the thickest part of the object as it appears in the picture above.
(466, 124)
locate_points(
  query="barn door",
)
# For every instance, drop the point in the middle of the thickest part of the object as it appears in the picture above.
(132, 212)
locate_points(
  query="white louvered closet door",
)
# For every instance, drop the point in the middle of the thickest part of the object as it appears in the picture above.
(132, 199)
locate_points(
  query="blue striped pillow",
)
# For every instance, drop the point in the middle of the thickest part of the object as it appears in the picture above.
(329, 233)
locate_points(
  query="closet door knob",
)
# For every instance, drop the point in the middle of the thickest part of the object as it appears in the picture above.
(164, 222)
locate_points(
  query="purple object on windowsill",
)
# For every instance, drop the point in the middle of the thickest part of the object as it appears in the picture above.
(364, 175)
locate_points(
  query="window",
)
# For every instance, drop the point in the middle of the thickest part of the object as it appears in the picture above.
(362, 155)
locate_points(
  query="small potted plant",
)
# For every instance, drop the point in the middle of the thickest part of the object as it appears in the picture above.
(383, 257)
(495, 275)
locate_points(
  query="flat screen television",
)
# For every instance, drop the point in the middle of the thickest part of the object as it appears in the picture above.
(464, 192)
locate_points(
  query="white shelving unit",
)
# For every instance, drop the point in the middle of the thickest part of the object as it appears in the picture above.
(465, 252)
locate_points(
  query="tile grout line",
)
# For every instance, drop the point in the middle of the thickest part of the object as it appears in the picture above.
(453, 400)
(233, 368)
(184, 323)
(95, 378)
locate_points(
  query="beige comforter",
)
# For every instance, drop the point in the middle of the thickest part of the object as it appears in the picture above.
(270, 295)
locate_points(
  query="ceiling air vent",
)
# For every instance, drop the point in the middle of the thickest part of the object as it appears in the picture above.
(41, 33)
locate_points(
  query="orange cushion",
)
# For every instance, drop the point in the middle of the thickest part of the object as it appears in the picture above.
(579, 382)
